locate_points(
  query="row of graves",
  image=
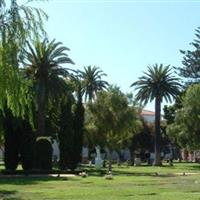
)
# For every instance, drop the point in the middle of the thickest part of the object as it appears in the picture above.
(97, 156)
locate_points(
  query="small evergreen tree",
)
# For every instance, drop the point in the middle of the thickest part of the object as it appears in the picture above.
(27, 140)
(66, 135)
(78, 128)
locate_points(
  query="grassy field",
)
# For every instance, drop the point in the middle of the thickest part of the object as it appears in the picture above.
(129, 183)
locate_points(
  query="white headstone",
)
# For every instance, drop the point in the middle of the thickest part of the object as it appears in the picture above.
(137, 161)
(56, 151)
(127, 154)
(98, 159)
(85, 152)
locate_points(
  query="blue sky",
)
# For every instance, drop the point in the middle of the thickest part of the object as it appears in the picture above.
(122, 37)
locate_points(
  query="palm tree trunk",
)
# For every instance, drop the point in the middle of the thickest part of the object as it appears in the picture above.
(157, 161)
(41, 112)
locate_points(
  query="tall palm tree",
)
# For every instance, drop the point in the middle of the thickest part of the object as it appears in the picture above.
(157, 83)
(92, 81)
(43, 65)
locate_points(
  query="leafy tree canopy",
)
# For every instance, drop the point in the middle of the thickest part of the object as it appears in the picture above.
(186, 129)
(110, 120)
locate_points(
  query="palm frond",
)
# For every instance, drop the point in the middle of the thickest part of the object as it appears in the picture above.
(157, 81)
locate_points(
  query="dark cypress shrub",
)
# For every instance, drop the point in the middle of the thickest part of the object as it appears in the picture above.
(11, 153)
(26, 145)
(43, 153)
(78, 129)
(19, 139)
(12, 143)
(66, 136)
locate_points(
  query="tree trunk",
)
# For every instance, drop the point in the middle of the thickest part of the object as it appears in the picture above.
(41, 112)
(157, 161)
(109, 161)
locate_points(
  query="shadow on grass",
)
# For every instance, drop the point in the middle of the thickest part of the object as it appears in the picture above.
(9, 195)
(33, 180)
(99, 173)
(92, 171)
(121, 171)
(192, 167)
(6, 192)
(152, 174)
(149, 194)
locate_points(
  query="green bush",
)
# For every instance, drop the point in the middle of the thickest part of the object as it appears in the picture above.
(43, 153)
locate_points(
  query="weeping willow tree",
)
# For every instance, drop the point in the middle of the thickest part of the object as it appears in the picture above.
(18, 23)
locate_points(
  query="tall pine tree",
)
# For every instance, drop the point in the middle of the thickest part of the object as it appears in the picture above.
(191, 61)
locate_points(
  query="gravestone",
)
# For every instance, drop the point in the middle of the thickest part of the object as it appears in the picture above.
(56, 151)
(98, 159)
(137, 161)
(85, 154)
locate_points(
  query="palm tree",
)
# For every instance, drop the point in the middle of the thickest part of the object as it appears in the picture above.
(157, 83)
(43, 65)
(92, 81)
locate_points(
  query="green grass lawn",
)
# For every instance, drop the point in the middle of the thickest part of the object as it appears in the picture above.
(129, 183)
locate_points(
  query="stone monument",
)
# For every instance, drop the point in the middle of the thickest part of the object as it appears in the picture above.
(98, 159)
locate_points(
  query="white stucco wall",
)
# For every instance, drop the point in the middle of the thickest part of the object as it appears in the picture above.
(149, 118)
